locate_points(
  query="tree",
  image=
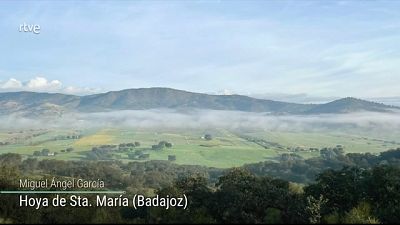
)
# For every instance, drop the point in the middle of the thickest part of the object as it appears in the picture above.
(45, 152)
(343, 189)
(199, 195)
(245, 198)
(157, 147)
(390, 154)
(273, 216)
(168, 145)
(314, 208)
(382, 187)
(360, 215)
(30, 164)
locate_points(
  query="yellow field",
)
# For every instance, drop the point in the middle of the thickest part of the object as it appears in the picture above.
(103, 137)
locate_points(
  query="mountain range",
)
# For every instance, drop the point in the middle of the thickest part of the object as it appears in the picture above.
(33, 103)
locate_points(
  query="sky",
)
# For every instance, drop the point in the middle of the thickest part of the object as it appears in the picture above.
(301, 51)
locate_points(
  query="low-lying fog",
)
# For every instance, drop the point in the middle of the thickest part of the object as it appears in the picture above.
(192, 119)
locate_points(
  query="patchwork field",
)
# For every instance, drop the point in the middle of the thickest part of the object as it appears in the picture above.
(225, 149)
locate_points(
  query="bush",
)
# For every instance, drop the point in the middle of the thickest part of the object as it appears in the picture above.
(208, 137)
(360, 215)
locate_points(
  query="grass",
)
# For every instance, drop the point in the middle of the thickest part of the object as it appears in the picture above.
(352, 143)
(226, 149)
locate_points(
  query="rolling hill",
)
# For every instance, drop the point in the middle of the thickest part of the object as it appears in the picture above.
(152, 98)
(349, 104)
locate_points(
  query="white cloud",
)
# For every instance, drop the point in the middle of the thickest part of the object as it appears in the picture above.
(11, 83)
(227, 92)
(80, 90)
(222, 92)
(41, 84)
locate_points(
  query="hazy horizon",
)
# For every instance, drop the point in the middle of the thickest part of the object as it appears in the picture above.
(295, 98)
(297, 51)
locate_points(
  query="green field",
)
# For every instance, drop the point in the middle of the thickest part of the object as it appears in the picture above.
(226, 149)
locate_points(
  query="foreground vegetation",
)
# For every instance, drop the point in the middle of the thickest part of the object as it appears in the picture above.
(345, 188)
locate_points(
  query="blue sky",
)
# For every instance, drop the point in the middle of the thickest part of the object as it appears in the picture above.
(287, 49)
